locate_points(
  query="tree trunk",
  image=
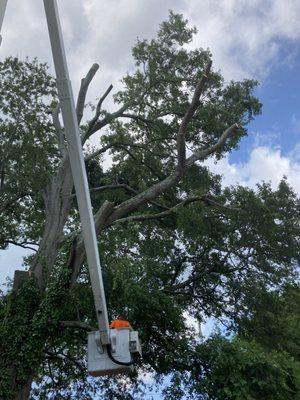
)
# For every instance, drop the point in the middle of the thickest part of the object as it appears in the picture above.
(24, 393)
(57, 205)
(57, 198)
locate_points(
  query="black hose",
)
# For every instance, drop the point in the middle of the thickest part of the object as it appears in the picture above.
(117, 361)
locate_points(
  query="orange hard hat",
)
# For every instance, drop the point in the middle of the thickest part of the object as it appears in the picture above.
(120, 323)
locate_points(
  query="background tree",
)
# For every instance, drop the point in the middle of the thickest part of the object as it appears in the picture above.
(273, 320)
(172, 240)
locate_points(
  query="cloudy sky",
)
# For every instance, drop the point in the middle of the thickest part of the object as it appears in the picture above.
(258, 39)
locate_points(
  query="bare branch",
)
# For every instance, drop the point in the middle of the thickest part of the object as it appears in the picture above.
(115, 144)
(116, 186)
(85, 82)
(181, 148)
(202, 154)
(24, 245)
(137, 118)
(153, 192)
(128, 189)
(188, 281)
(98, 109)
(77, 324)
(105, 121)
(98, 152)
(208, 199)
(163, 214)
(146, 196)
(205, 198)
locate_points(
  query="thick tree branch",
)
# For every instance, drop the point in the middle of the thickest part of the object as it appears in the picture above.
(78, 325)
(128, 189)
(98, 109)
(101, 216)
(163, 214)
(146, 196)
(100, 219)
(157, 189)
(85, 82)
(116, 186)
(202, 154)
(144, 217)
(181, 147)
(153, 192)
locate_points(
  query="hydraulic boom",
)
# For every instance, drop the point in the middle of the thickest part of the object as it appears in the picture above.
(109, 350)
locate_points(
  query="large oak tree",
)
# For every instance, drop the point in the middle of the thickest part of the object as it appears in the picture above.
(173, 241)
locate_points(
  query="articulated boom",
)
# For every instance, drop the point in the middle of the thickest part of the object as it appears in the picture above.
(110, 351)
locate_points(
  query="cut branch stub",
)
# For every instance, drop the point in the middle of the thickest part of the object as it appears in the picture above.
(85, 82)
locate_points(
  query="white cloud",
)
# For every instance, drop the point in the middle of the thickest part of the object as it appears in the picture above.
(245, 37)
(264, 164)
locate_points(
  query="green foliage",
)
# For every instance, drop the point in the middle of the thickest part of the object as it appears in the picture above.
(28, 150)
(28, 321)
(241, 370)
(159, 92)
(16, 313)
(273, 320)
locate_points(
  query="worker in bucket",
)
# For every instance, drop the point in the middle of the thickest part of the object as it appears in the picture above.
(120, 323)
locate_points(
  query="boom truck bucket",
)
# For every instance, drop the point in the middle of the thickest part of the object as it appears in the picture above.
(111, 349)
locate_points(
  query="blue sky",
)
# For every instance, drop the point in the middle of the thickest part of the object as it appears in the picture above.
(279, 124)
(258, 39)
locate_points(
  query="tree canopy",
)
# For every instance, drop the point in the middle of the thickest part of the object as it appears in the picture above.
(173, 240)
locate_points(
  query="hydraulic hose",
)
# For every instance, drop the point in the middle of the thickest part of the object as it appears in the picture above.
(115, 360)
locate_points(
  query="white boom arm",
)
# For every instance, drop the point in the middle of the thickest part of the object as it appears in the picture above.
(65, 95)
(110, 351)
(3, 4)
(66, 98)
